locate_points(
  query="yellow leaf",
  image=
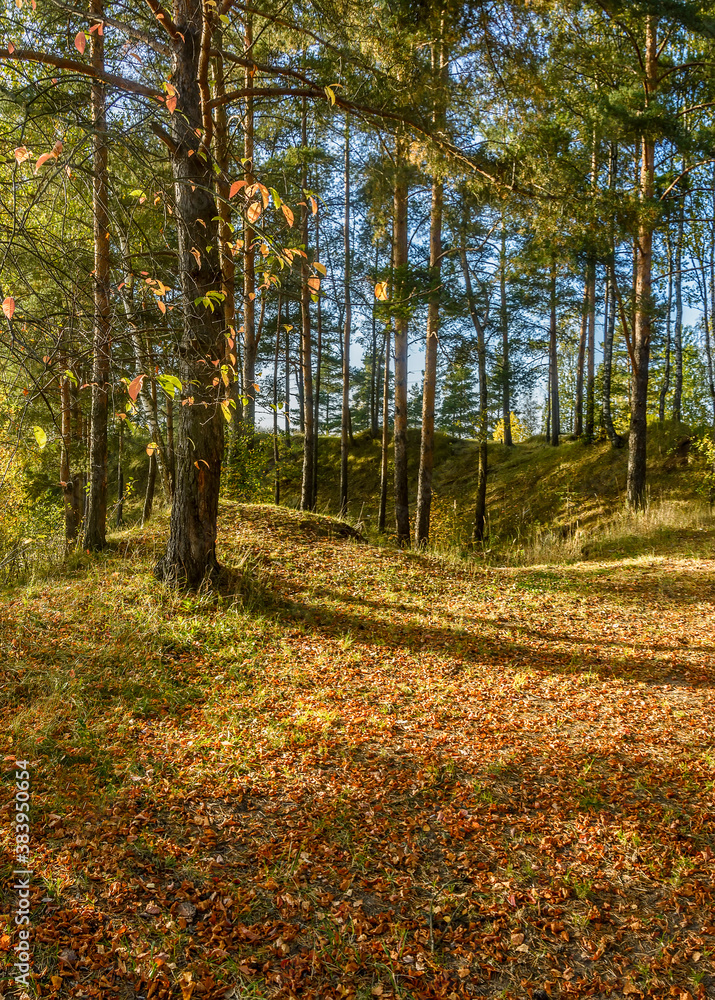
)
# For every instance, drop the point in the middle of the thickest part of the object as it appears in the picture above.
(381, 291)
(254, 211)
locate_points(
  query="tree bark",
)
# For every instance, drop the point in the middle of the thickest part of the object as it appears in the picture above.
(120, 475)
(150, 487)
(636, 481)
(384, 454)
(609, 330)
(429, 386)
(553, 367)
(375, 365)
(225, 233)
(709, 325)
(276, 455)
(483, 426)
(318, 363)
(191, 550)
(678, 326)
(504, 323)
(96, 520)
(307, 496)
(591, 296)
(665, 388)
(591, 355)
(578, 407)
(288, 329)
(250, 341)
(402, 508)
(345, 412)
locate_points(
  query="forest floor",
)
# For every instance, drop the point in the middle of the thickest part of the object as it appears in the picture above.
(360, 773)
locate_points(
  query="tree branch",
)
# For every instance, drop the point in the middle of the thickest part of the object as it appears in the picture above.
(46, 58)
(127, 29)
(163, 136)
(624, 320)
(700, 163)
(164, 20)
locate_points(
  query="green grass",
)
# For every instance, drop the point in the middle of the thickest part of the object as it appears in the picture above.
(544, 503)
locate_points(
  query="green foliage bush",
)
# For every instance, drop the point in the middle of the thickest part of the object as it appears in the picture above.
(244, 476)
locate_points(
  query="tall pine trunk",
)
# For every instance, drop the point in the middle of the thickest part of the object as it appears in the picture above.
(480, 512)
(591, 355)
(225, 233)
(399, 223)
(678, 325)
(709, 325)
(345, 412)
(636, 480)
(250, 341)
(191, 549)
(429, 386)
(276, 454)
(580, 364)
(120, 474)
(307, 496)
(288, 329)
(591, 295)
(555, 428)
(609, 322)
(504, 323)
(385, 450)
(318, 363)
(665, 388)
(95, 527)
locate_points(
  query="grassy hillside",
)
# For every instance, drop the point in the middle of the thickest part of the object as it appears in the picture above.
(537, 494)
(359, 773)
